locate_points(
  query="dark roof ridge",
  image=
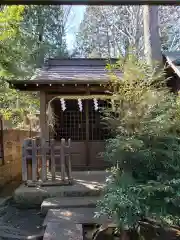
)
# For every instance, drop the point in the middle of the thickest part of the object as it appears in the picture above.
(78, 62)
(68, 58)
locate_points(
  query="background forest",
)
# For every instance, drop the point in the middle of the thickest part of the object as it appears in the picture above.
(31, 34)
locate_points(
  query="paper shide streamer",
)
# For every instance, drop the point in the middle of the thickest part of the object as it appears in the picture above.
(63, 104)
(95, 104)
(80, 105)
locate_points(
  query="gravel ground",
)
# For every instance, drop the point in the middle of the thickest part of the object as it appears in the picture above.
(19, 223)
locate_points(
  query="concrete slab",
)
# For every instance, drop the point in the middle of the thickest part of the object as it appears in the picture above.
(65, 202)
(75, 216)
(85, 184)
(57, 231)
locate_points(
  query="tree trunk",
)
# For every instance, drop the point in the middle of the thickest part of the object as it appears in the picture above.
(152, 44)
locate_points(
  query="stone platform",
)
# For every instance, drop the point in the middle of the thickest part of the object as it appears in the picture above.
(87, 183)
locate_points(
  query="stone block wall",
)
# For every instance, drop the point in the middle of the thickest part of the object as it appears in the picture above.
(11, 168)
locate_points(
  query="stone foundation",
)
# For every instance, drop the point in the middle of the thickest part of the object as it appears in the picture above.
(85, 184)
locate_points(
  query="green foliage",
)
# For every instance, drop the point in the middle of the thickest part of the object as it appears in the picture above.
(15, 104)
(37, 33)
(145, 149)
(12, 103)
(10, 19)
(28, 36)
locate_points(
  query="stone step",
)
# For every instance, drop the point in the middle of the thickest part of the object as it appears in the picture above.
(68, 202)
(34, 196)
(59, 231)
(74, 216)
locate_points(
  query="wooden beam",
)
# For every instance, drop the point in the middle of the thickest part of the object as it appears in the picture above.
(89, 2)
(69, 88)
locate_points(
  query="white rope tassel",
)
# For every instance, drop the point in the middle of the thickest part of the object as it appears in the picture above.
(63, 104)
(80, 105)
(95, 104)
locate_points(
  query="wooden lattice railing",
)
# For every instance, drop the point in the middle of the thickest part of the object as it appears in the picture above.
(40, 159)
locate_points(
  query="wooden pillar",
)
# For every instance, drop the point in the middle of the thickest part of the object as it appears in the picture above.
(43, 123)
(87, 132)
(62, 153)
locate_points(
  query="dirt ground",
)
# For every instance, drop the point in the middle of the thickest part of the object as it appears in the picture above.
(16, 224)
(9, 188)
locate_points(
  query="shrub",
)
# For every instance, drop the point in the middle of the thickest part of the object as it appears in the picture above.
(145, 149)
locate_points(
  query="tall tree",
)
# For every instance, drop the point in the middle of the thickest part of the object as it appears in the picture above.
(110, 30)
(43, 32)
(152, 44)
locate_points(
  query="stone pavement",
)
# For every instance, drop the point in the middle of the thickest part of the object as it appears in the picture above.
(59, 231)
(67, 224)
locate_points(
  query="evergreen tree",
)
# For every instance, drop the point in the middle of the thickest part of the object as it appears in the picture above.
(43, 32)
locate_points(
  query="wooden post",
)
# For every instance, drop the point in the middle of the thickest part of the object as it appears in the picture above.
(69, 160)
(87, 132)
(62, 158)
(24, 162)
(49, 154)
(43, 123)
(29, 159)
(44, 167)
(43, 134)
(37, 140)
(52, 157)
(34, 160)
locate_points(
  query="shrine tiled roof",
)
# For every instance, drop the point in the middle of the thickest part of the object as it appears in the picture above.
(74, 70)
(69, 71)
